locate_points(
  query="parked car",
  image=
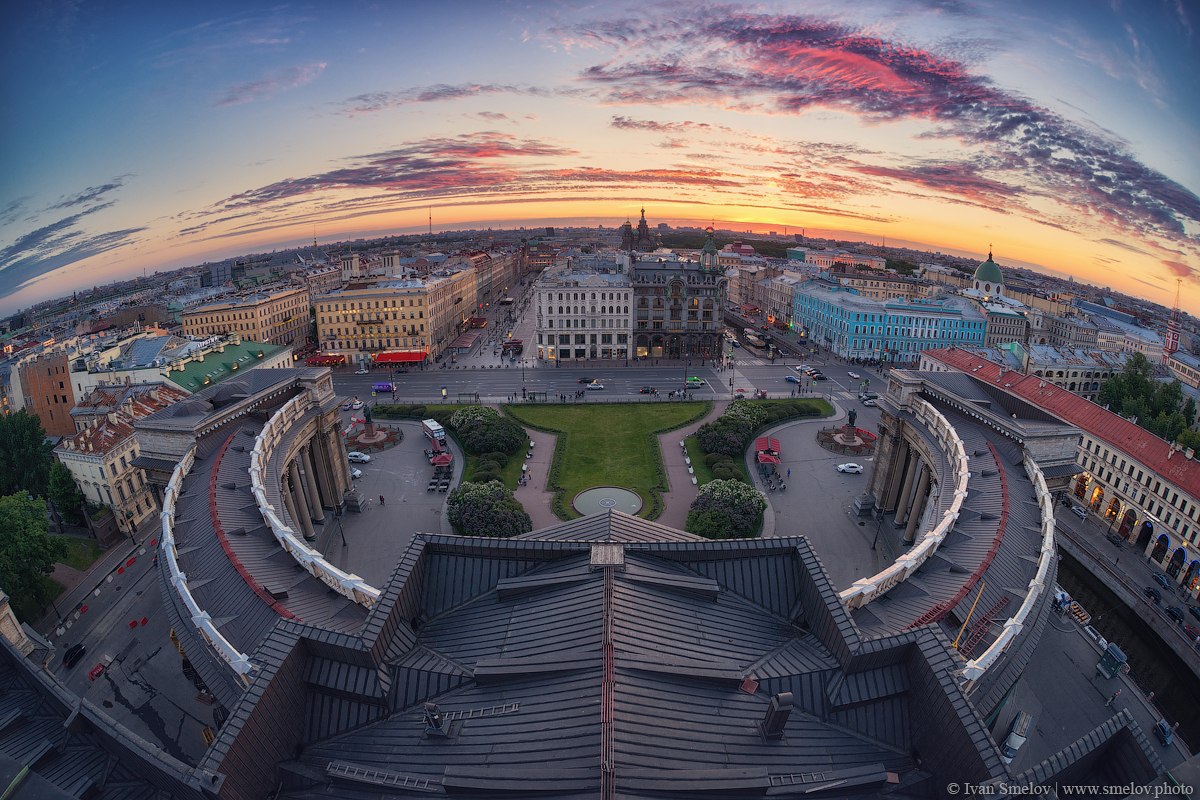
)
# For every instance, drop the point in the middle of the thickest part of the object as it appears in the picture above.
(1154, 594)
(646, 390)
(1194, 611)
(853, 469)
(1163, 732)
(1115, 539)
(98, 670)
(869, 402)
(346, 405)
(73, 655)
(1191, 630)
(1162, 580)
(355, 473)
(356, 405)
(791, 379)
(362, 371)
(1018, 732)
(801, 368)
(1175, 613)
(358, 458)
(854, 375)
(820, 376)
(1079, 511)
(594, 385)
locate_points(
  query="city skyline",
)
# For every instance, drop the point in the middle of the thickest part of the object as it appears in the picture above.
(161, 138)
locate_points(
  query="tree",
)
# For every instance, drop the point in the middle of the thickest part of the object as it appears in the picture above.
(27, 553)
(487, 509)
(726, 509)
(64, 492)
(25, 455)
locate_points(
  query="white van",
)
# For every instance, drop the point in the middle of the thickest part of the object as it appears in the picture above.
(1018, 732)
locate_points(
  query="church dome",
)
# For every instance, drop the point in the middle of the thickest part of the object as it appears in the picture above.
(988, 272)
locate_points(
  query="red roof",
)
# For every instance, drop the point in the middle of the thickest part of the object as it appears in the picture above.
(1119, 433)
(400, 357)
(766, 458)
(766, 443)
(441, 460)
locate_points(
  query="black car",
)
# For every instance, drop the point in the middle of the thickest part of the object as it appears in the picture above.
(587, 380)
(1175, 613)
(1162, 581)
(1194, 611)
(1153, 594)
(1115, 539)
(820, 376)
(73, 655)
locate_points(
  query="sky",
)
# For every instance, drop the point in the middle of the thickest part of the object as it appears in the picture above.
(145, 136)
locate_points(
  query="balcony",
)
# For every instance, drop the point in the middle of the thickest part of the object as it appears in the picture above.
(371, 321)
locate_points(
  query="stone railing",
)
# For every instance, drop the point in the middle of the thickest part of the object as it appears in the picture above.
(864, 590)
(1038, 585)
(239, 662)
(344, 583)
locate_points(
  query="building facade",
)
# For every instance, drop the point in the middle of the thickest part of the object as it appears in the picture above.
(100, 455)
(893, 331)
(279, 316)
(679, 306)
(583, 314)
(410, 318)
(45, 386)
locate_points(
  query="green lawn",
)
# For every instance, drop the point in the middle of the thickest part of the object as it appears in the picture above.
(608, 445)
(80, 552)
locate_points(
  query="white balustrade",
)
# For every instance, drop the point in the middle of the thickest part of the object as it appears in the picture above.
(344, 583)
(864, 590)
(238, 661)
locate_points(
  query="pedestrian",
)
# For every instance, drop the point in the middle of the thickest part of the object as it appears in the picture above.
(381, 500)
(789, 472)
(1113, 698)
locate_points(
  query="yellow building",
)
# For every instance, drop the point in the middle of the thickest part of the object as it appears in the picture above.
(395, 320)
(278, 316)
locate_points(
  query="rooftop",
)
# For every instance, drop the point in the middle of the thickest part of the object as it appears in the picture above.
(215, 366)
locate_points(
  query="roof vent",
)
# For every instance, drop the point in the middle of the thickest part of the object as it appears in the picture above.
(435, 721)
(777, 716)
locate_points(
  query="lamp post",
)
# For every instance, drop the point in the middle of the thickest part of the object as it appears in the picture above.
(878, 523)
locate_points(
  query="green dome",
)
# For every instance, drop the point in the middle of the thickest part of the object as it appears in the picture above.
(989, 272)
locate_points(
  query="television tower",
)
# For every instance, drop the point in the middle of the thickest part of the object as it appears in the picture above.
(1172, 341)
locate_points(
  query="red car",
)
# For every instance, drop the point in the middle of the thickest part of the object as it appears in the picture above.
(1191, 631)
(95, 672)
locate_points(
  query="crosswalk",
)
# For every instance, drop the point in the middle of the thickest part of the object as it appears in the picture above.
(751, 362)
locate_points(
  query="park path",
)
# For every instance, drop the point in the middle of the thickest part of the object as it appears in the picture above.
(534, 495)
(680, 490)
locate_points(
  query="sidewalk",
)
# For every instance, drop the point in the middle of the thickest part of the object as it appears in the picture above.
(680, 491)
(534, 495)
(79, 586)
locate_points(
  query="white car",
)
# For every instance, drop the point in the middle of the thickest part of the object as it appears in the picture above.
(358, 458)
(801, 368)
(362, 371)
(355, 473)
(854, 375)
(853, 469)
(594, 385)
(356, 405)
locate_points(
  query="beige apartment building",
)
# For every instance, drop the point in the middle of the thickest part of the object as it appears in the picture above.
(274, 316)
(397, 320)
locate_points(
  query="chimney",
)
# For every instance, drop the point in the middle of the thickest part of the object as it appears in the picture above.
(435, 722)
(1189, 453)
(777, 716)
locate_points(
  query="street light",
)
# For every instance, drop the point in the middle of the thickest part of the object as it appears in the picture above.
(878, 523)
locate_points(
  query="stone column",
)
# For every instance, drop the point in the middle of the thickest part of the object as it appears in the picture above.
(918, 507)
(303, 516)
(324, 480)
(904, 499)
(899, 469)
(289, 504)
(314, 492)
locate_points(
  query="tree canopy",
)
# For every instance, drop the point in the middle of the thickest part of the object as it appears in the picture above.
(27, 553)
(64, 493)
(484, 430)
(726, 509)
(1158, 407)
(25, 455)
(487, 509)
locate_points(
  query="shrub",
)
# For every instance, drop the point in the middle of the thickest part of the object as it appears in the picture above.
(500, 458)
(741, 506)
(726, 471)
(487, 509)
(484, 474)
(712, 459)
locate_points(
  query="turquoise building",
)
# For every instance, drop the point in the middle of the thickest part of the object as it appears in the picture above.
(895, 331)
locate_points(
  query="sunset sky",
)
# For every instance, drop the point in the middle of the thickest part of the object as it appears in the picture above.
(149, 136)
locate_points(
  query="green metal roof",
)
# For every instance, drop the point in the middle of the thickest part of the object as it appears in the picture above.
(989, 272)
(217, 366)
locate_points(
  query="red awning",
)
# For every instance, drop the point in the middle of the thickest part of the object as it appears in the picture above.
(400, 357)
(767, 458)
(766, 443)
(324, 361)
(441, 460)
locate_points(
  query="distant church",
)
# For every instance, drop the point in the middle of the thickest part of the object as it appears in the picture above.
(641, 240)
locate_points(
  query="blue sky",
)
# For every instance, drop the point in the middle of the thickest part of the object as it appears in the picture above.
(147, 136)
